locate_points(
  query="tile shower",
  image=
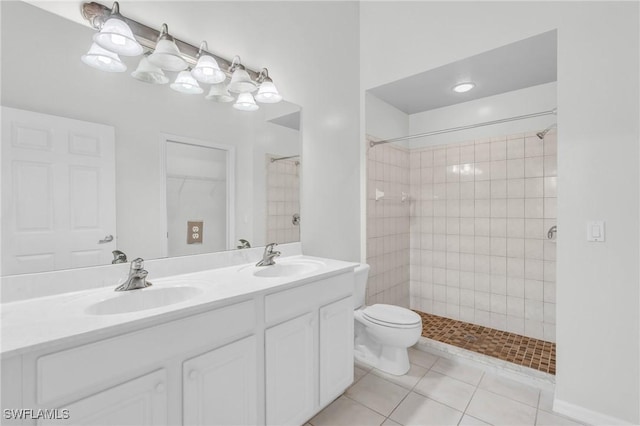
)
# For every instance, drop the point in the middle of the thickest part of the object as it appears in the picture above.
(476, 221)
(283, 199)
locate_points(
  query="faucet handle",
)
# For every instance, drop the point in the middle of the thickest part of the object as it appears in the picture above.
(269, 247)
(137, 264)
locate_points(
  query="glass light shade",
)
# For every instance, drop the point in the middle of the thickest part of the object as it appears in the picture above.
(185, 83)
(117, 37)
(208, 71)
(167, 56)
(246, 102)
(102, 59)
(219, 93)
(268, 94)
(149, 73)
(241, 82)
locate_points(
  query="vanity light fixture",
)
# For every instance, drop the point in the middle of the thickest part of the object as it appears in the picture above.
(116, 35)
(185, 83)
(463, 87)
(240, 80)
(149, 73)
(166, 54)
(219, 93)
(267, 94)
(102, 59)
(207, 69)
(246, 102)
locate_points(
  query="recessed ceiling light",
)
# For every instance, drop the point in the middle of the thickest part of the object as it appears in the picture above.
(463, 87)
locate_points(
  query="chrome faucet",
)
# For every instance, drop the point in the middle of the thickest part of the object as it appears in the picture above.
(269, 255)
(137, 277)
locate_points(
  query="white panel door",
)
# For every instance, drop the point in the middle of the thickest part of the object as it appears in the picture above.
(139, 402)
(58, 193)
(291, 371)
(220, 386)
(336, 349)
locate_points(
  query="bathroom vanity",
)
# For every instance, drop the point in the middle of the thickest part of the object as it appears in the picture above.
(243, 345)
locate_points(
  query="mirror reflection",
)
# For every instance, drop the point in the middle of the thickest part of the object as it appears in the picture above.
(100, 167)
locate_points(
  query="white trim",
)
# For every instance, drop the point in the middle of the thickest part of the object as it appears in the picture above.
(585, 415)
(231, 183)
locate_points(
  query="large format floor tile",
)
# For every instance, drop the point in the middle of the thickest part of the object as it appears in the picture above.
(499, 410)
(418, 410)
(439, 391)
(377, 394)
(445, 389)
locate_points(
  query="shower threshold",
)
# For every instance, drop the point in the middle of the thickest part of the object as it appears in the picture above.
(510, 347)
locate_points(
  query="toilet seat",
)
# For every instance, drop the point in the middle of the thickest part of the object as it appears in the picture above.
(391, 316)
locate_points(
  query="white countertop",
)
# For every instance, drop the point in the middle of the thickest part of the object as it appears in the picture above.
(35, 324)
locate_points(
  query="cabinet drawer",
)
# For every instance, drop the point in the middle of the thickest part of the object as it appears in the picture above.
(94, 366)
(289, 303)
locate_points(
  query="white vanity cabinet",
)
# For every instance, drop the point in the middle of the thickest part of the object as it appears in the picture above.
(309, 349)
(220, 386)
(137, 378)
(275, 356)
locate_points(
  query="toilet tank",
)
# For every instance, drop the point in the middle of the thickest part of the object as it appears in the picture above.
(360, 290)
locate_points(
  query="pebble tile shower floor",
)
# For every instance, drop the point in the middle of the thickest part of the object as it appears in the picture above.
(506, 346)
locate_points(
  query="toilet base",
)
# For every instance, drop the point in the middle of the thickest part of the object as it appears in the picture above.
(392, 360)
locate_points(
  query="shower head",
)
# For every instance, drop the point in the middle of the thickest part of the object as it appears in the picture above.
(543, 133)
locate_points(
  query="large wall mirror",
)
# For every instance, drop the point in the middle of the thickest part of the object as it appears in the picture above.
(99, 166)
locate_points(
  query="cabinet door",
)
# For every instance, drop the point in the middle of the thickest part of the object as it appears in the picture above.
(138, 402)
(220, 386)
(336, 349)
(291, 371)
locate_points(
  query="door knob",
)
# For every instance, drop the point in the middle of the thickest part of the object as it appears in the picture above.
(106, 239)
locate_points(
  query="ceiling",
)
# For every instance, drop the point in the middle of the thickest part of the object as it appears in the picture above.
(518, 65)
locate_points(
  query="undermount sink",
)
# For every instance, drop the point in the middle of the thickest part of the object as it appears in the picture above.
(288, 269)
(143, 299)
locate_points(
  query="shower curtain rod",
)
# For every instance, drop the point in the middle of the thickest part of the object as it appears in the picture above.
(470, 126)
(273, 160)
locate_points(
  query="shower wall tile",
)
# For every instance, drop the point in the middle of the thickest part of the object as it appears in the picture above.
(283, 200)
(390, 246)
(479, 217)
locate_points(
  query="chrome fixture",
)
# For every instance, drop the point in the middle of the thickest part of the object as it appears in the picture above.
(552, 233)
(120, 35)
(116, 36)
(244, 244)
(240, 79)
(470, 126)
(295, 219)
(137, 277)
(297, 163)
(119, 257)
(166, 55)
(269, 255)
(267, 94)
(543, 133)
(207, 69)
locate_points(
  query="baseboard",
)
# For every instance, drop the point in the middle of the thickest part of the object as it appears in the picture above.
(585, 415)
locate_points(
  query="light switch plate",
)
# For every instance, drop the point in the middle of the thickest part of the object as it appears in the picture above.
(595, 231)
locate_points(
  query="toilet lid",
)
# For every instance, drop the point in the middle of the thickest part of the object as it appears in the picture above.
(391, 315)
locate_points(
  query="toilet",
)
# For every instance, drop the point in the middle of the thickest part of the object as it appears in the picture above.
(382, 332)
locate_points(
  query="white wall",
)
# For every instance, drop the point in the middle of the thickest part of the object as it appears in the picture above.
(598, 335)
(384, 121)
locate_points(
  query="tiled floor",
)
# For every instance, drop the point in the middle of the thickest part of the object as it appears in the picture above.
(506, 346)
(438, 391)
